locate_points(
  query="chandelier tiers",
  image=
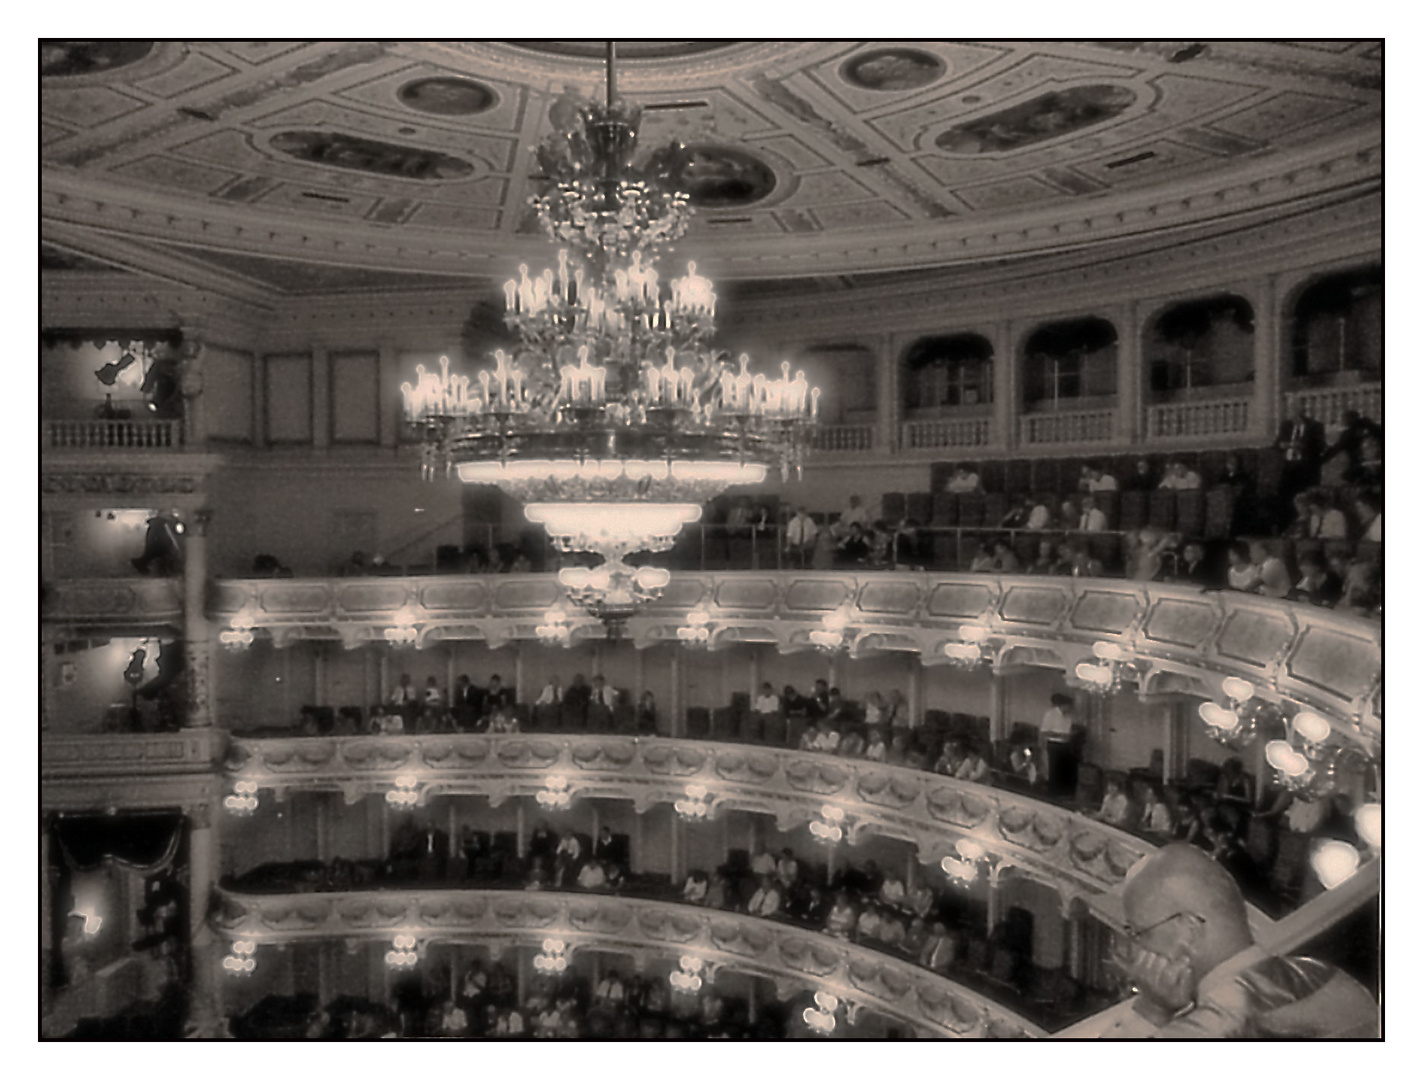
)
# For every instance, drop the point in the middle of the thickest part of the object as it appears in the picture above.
(613, 420)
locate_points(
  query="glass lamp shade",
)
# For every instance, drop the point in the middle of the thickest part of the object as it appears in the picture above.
(1335, 862)
(1288, 761)
(1311, 727)
(613, 529)
(1237, 689)
(1368, 822)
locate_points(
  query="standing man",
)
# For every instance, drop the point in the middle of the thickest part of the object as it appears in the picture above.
(1301, 440)
(1058, 749)
(801, 532)
(468, 703)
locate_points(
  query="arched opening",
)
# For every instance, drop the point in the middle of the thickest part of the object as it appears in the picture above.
(949, 373)
(1070, 364)
(1338, 329)
(1201, 348)
(846, 373)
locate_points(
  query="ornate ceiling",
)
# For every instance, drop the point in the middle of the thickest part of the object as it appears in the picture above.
(322, 166)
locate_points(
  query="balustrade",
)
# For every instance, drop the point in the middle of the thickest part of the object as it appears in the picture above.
(843, 438)
(113, 434)
(1198, 419)
(1328, 405)
(946, 433)
(1064, 428)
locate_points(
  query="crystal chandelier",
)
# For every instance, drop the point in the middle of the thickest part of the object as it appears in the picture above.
(613, 420)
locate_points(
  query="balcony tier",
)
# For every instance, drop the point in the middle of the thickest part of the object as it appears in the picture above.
(793, 957)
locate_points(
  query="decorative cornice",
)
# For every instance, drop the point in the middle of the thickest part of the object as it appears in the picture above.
(95, 601)
(1322, 171)
(793, 957)
(1319, 658)
(129, 756)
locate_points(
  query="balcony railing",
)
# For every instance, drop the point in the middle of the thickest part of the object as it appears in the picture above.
(791, 956)
(1066, 428)
(946, 433)
(1329, 405)
(1328, 661)
(1069, 852)
(128, 755)
(843, 438)
(113, 434)
(115, 600)
(1198, 419)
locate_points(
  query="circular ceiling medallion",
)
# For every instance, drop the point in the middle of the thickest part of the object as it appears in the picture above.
(447, 96)
(627, 50)
(62, 59)
(717, 177)
(892, 69)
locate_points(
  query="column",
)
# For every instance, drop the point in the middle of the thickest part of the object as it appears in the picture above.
(639, 685)
(521, 831)
(388, 377)
(1005, 387)
(678, 726)
(1130, 426)
(518, 673)
(206, 1001)
(995, 898)
(998, 725)
(1173, 756)
(318, 671)
(917, 679)
(1076, 934)
(676, 852)
(197, 633)
(320, 397)
(190, 385)
(887, 396)
(635, 855)
(754, 672)
(1265, 410)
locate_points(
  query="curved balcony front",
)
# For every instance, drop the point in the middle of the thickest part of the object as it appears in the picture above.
(1072, 853)
(1189, 639)
(794, 958)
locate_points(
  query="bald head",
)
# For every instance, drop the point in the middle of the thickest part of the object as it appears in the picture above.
(1181, 878)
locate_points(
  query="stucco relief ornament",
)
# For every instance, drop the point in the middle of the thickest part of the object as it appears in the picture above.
(196, 657)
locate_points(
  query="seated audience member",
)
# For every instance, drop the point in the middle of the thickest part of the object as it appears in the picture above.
(787, 869)
(793, 702)
(819, 703)
(842, 918)
(468, 702)
(1156, 815)
(391, 723)
(1097, 480)
(1191, 567)
(973, 767)
(1046, 561)
(982, 560)
(1004, 560)
(1243, 573)
(768, 702)
(404, 697)
(716, 892)
(1080, 562)
(503, 721)
(1318, 585)
(1116, 807)
(1092, 519)
(964, 481)
(867, 925)
(915, 938)
(1147, 561)
(694, 888)
(551, 694)
(766, 900)
(891, 891)
(852, 744)
(950, 758)
(1367, 473)
(1143, 479)
(1362, 593)
(853, 547)
(896, 711)
(874, 709)
(1368, 511)
(1017, 515)
(1021, 761)
(1180, 478)
(1315, 519)
(432, 697)
(763, 864)
(1274, 578)
(875, 748)
(855, 513)
(920, 900)
(891, 931)
(837, 709)
(940, 950)
(898, 752)
(593, 876)
(497, 695)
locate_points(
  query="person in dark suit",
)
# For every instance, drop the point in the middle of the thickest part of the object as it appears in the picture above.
(497, 696)
(467, 701)
(1301, 440)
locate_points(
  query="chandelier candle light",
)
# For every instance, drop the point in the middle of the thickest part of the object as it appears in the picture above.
(613, 420)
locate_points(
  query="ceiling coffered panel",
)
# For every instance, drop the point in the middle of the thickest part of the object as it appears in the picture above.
(811, 158)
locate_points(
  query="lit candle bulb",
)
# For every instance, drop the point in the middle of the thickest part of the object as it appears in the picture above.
(563, 274)
(669, 376)
(814, 402)
(526, 289)
(510, 289)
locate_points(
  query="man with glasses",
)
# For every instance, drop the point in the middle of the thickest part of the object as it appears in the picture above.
(1183, 940)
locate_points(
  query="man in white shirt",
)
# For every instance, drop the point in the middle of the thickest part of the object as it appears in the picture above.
(1056, 733)
(1097, 480)
(603, 694)
(1040, 517)
(767, 703)
(853, 514)
(1092, 519)
(763, 864)
(1274, 577)
(766, 900)
(551, 694)
(1180, 478)
(404, 693)
(801, 532)
(964, 481)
